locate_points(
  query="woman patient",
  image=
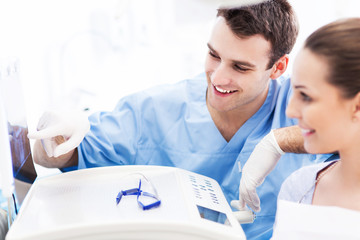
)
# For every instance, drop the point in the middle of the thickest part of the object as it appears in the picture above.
(326, 101)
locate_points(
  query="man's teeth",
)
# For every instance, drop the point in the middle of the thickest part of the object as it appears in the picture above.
(223, 90)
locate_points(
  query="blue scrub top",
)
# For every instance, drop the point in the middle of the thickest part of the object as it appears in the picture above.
(170, 125)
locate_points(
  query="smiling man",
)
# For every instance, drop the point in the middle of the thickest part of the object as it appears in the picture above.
(238, 76)
(209, 124)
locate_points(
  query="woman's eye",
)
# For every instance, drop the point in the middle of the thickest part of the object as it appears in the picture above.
(305, 97)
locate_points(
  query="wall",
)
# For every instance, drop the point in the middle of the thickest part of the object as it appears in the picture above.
(88, 53)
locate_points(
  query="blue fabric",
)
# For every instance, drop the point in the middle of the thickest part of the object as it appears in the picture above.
(170, 125)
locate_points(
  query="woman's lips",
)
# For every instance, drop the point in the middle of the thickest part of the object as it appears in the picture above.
(307, 132)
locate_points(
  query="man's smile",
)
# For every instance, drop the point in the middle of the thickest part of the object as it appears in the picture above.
(223, 91)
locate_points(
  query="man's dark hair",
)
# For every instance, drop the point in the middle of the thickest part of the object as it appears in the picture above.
(275, 20)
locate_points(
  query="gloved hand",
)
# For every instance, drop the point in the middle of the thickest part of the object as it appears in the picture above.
(261, 162)
(243, 215)
(61, 132)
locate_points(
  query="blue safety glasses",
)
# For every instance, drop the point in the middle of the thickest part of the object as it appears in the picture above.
(145, 200)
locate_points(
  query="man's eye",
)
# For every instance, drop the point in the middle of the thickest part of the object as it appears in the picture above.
(241, 69)
(214, 55)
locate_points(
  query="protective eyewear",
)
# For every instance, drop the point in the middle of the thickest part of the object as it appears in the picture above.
(144, 199)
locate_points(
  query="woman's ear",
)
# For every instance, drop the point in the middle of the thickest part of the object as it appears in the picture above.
(279, 67)
(356, 108)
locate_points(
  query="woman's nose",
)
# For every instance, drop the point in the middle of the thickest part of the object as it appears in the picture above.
(291, 110)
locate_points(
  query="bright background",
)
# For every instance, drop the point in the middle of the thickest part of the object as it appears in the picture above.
(89, 53)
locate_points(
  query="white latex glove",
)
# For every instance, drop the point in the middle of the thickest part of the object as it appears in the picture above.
(261, 162)
(61, 132)
(243, 215)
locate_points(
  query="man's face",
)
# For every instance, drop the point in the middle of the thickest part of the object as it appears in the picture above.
(236, 70)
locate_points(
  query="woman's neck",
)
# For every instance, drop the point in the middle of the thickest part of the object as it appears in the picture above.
(349, 169)
(340, 186)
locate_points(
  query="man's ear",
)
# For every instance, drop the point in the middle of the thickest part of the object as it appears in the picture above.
(279, 67)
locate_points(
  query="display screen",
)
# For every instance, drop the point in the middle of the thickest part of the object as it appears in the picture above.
(213, 215)
(13, 101)
(23, 166)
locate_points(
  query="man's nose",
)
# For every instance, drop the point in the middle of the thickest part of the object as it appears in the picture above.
(221, 75)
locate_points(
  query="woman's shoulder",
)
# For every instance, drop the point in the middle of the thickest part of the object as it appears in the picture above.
(300, 185)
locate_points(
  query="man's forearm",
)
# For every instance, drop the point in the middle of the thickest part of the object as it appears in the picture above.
(290, 139)
(66, 160)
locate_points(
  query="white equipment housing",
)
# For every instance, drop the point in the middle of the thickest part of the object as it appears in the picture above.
(82, 205)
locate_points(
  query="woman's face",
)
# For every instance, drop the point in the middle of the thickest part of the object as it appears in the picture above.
(324, 116)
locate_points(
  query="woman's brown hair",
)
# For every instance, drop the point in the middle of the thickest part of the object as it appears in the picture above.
(339, 45)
